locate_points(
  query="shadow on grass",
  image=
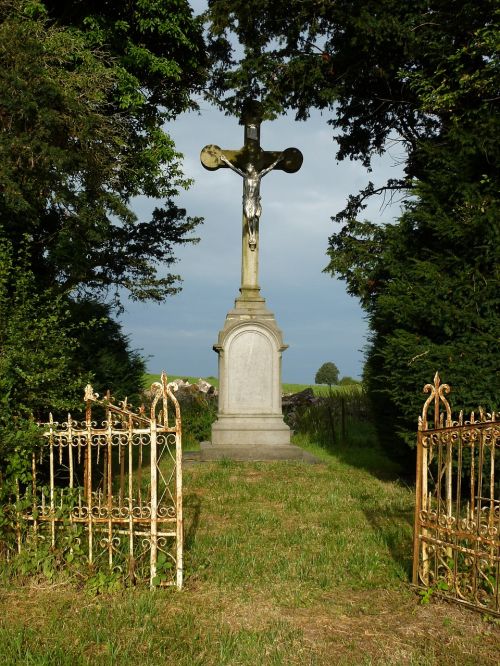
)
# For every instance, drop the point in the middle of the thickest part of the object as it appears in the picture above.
(373, 459)
(393, 524)
(192, 507)
(395, 528)
(370, 458)
(391, 520)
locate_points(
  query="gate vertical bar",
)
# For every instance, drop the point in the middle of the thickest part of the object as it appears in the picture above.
(180, 520)
(130, 494)
(33, 495)
(52, 504)
(70, 452)
(179, 533)
(18, 514)
(418, 508)
(109, 482)
(497, 572)
(88, 477)
(154, 499)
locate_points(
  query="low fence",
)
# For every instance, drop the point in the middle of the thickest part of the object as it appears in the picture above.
(457, 515)
(108, 489)
(340, 418)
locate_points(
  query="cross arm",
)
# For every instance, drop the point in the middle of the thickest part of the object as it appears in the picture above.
(211, 157)
(289, 160)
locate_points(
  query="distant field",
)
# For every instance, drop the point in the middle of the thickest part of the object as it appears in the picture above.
(286, 388)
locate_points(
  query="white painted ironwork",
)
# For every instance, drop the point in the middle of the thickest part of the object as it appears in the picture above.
(110, 486)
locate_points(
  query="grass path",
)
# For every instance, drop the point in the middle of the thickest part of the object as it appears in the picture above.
(286, 563)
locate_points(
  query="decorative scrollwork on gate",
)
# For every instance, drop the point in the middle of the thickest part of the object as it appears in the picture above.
(111, 483)
(457, 513)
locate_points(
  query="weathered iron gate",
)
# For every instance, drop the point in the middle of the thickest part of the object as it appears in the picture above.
(111, 490)
(457, 514)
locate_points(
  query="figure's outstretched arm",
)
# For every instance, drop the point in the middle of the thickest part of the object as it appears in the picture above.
(224, 159)
(271, 166)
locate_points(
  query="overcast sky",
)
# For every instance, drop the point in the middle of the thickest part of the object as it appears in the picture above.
(319, 320)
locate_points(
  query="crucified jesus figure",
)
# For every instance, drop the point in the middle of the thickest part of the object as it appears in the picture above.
(251, 194)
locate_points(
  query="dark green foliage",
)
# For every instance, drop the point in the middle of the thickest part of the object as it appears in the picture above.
(198, 412)
(368, 62)
(158, 44)
(104, 352)
(438, 311)
(36, 351)
(430, 283)
(327, 374)
(350, 58)
(85, 90)
(81, 132)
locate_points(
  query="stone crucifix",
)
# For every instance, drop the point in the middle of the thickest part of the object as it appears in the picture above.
(252, 163)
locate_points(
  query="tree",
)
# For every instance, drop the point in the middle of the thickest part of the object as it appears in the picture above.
(103, 352)
(327, 374)
(36, 353)
(430, 283)
(425, 75)
(367, 63)
(81, 135)
(83, 101)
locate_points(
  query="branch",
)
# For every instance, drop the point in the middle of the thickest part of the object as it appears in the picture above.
(418, 356)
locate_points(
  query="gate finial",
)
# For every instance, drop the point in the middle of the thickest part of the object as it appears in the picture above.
(437, 394)
(89, 393)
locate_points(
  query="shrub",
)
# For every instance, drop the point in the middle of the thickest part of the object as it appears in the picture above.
(198, 412)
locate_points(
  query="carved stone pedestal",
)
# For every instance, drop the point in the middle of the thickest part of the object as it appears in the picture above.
(249, 348)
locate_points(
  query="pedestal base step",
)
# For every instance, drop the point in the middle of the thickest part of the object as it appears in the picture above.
(250, 431)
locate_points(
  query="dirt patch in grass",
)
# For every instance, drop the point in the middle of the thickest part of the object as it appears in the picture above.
(343, 627)
(372, 626)
(385, 627)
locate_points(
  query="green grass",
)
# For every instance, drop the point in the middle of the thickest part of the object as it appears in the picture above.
(286, 563)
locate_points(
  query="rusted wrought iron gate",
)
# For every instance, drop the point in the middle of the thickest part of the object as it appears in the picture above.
(457, 515)
(110, 488)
